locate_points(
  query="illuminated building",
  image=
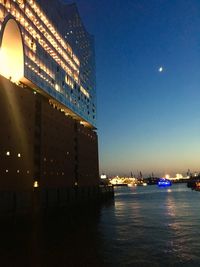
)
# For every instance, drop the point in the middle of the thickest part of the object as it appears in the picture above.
(47, 96)
(59, 62)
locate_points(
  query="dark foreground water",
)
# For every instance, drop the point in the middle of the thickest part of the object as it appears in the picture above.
(145, 226)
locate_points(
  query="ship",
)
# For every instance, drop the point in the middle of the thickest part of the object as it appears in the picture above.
(194, 184)
(162, 182)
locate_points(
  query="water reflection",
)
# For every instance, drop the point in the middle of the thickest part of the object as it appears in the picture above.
(144, 227)
(69, 238)
(154, 227)
(170, 205)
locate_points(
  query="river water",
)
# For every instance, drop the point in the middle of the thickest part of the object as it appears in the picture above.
(151, 226)
(144, 226)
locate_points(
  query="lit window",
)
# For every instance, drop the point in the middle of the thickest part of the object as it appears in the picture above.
(28, 172)
(57, 87)
(8, 153)
(6, 171)
(19, 155)
(17, 171)
(36, 184)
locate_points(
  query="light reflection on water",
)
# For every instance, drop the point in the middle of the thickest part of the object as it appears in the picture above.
(155, 227)
(145, 226)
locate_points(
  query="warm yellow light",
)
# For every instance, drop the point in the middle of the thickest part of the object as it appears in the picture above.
(179, 176)
(167, 176)
(36, 184)
(57, 87)
(11, 52)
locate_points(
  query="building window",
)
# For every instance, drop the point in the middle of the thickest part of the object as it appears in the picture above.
(8, 153)
(35, 184)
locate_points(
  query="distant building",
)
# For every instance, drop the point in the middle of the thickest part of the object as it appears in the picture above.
(47, 97)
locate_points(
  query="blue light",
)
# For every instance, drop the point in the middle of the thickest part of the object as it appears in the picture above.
(164, 183)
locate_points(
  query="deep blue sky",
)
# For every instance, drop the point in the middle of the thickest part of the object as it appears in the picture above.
(147, 120)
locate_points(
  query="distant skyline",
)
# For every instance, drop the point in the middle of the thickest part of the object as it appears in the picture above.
(148, 120)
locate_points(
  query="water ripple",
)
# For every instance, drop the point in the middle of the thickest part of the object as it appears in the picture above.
(153, 227)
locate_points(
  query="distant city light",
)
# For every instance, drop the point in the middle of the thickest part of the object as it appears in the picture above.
(167, 176)
(103, 176)
(179, 176)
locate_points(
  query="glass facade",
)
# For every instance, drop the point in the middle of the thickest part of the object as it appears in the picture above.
(59, 58)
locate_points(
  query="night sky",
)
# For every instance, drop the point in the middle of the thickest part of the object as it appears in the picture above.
(148, 120)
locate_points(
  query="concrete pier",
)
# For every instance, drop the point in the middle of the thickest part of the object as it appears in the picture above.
(38, 200)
